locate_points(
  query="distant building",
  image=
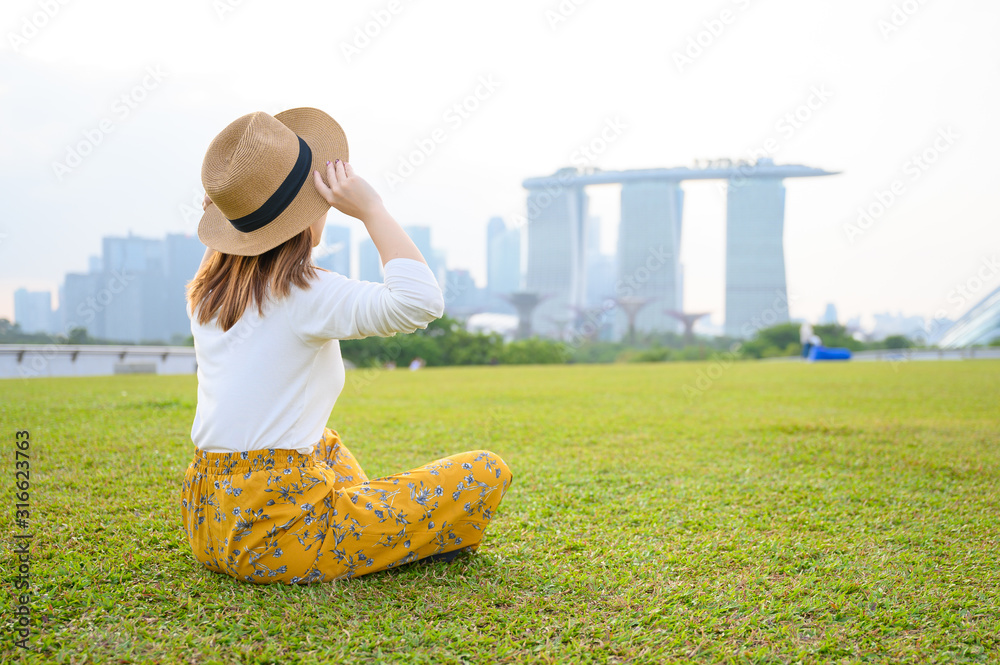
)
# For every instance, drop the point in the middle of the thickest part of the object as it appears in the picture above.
(183, 258)
(503, 264)
(82, 303)
(980, 325)
(503, 257)
(421, 237)
(601, 275)
(592, 235)
(600, 267)
(555, 260)
(138, 293)
(33, 311)
(649, 240)
(335, 252)
(756, 292)
(649, 244)
(134, 312)
(830, 314)
(369, 262)
(461, 295)
(437, 263)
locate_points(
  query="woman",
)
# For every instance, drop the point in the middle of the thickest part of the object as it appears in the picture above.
(272, 495)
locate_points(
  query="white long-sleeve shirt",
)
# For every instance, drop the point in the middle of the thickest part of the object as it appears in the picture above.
(272, 381)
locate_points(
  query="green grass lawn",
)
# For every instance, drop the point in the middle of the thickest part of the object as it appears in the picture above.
(786, 513)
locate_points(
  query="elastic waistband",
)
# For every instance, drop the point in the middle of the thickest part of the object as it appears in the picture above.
(250, 460)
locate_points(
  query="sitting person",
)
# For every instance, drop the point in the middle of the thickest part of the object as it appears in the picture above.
(272, 494)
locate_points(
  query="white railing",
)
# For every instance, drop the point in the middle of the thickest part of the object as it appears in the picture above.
(34, 360)
(906, 355)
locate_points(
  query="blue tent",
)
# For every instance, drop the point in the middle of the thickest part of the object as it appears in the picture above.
(824, 353)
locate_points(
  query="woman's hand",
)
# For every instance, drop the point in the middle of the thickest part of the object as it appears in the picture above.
(347, 192)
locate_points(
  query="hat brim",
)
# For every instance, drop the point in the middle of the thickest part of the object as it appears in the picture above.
(326, 138)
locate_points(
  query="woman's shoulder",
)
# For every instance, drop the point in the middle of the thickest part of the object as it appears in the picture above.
(319, 287)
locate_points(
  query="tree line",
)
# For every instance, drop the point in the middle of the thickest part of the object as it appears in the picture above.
(445, 341)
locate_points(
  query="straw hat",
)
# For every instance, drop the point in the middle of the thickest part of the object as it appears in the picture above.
(257, 172)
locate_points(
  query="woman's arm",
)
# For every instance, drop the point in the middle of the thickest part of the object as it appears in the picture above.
(343, 308)
(389, 237)
(352, 195)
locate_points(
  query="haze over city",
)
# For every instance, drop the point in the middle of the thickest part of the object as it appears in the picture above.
(108, 108)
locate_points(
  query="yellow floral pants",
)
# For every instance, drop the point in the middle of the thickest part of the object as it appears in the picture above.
(277, 515)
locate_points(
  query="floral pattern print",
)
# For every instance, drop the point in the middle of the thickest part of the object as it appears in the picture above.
(277, 515)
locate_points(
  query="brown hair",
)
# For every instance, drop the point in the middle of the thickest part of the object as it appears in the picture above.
(226, 284)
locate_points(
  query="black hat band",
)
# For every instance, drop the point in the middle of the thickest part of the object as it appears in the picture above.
(282, 197)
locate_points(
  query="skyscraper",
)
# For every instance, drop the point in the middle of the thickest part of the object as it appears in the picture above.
(135, 291)
(649, 243)
(335, 252)
(600, 267)
(369, 262)
(135, 312)
(183, 257)
(503, 257)
(33, 311)
(756, 293)
(437, 263)
(461, 295)
(829, 314)
(555, 268)
(81, 303)
(600, 279)
(421, 237)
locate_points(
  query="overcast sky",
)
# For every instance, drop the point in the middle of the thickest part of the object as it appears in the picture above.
(901, 97)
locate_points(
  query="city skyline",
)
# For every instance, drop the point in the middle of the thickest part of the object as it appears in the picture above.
(134, 290)
(648, 294)
(159, 268)
(107, 118)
